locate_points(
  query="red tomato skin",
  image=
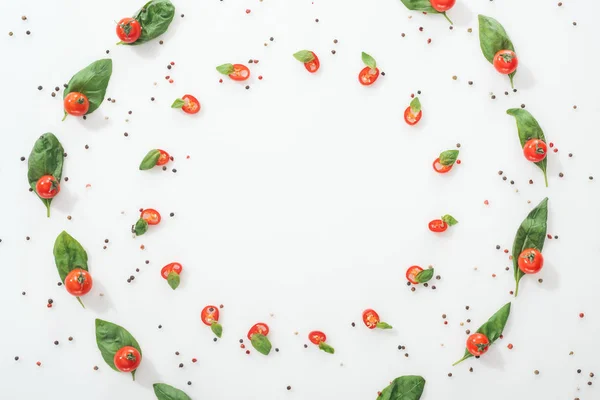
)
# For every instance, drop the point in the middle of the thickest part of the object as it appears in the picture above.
(76, 104)
(314, 65)
(412, 272)
(78, 282)
(504, 66)
(173, 267)
(477, 339)
(366, 77)
(135, 30)
(44, 189)
(208, 317)
(317, 337)
(240, 72)
(192, 105)
(370, 318)
(411, 118)
(163, 158)
(535, 150)
(260, 327)
(439, 168)
(151, 216)
(127, 359)
(437, 225)
(442, 5)
(530, 261)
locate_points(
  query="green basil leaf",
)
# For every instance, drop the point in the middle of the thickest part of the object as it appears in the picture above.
(178, 103)
(415, 106)
(449, 219)
(92, 81)
(46, 158)
(528, 128)
(140, 227)
(150, 160)
(383, 325)
(110, 338)
(216, 328)
(369, 61)
(424, 276)
(261, 343)
(409, 387)
(225, 69)
(531, 234)
(173, 280)
(167, 392)
(492, 39)
(326, 348)
(448, 157)
(492, 329)
(68, 255)
(304, 56)
(420, 5)
(155, 18)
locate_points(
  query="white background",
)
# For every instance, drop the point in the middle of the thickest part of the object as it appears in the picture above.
(305, 197)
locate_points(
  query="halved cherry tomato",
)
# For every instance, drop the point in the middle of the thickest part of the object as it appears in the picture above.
(437, 225)
(127, 359)
(535, 150)
(412, 272)
(370, 318)
(47, 187)
(163, 158)
(78, 282)
(477, 344)
(76, 104)
(530, 261)
(129, 30)
(260, 327)
(192, 105)
(210, 314)
(317, 337)
(440, 168)
(173, 267)
(411, 118)
(368, 76)
(151, 216)
(240, 72)
(506, 61)
(442, 5)
(313, 66)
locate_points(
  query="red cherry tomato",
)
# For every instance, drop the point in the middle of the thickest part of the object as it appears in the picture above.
(210, 314)
(192, 105)
(151, 216)
(477, 344)
(535, 150)
(173, 267)
(368, 76)
(129, 30)
(506, 61)
(530, 261)
(411, 118)
(442, 5)
(240, 72)
(412, 272)
(313, 66)
(78, 282)
(163, 158)
(127, 359)
(47, 187)
(370, 318)
(440, 168)
(437, 225)
(260, 327)
(317, 337)
(76, 104)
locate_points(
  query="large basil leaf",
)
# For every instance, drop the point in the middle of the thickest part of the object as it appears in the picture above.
(155, 18)
(420, 5)
(150, 159)
(68, 255)
(261, 343)
(492, 329)
(409, 387)
(92, 81)
(531, 234)
(110, 338)
(167, 392)
(529, 128)
(46, 158)
(492, 39)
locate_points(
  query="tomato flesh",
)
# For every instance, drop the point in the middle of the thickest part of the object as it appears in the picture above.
(240, 72)
(316, 337)
(260, 327)
(441, 168)
(535, 150)
(506, 62)
(368, 76)
(313, 66)
(151, 216)
(530, 261)
(437, 225)
(78, 282)
(76, 104)
(370, 318)
(127, 359)
(47, 187)
(411, 118)
(173, 267)
(209, 315)
(478, 344)
(442, 5)
(192, 105)
(412, 272)
(129, 30)
(163, 158)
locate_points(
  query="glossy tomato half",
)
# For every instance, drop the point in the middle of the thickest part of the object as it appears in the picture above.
(260, 327)
(210, 314)
(368, 76)
(370, 318)
(151, 216)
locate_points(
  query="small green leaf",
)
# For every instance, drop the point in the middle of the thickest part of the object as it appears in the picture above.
(173, 279)
(216, 328)
(141, 227)
(178, 103)
(225, 69)
(326, 348)
(448, 157)
(304, 56)
(528, 129)
(150, 160)
(408, 387)
(424, 276)
(261, 343)
(154, 17)
(110, 338)
(46, 158)
(383, 325)
(415, 106)
(92, 81)
(167, 392)
(449, 219)
(68, 255)
(369, 61)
